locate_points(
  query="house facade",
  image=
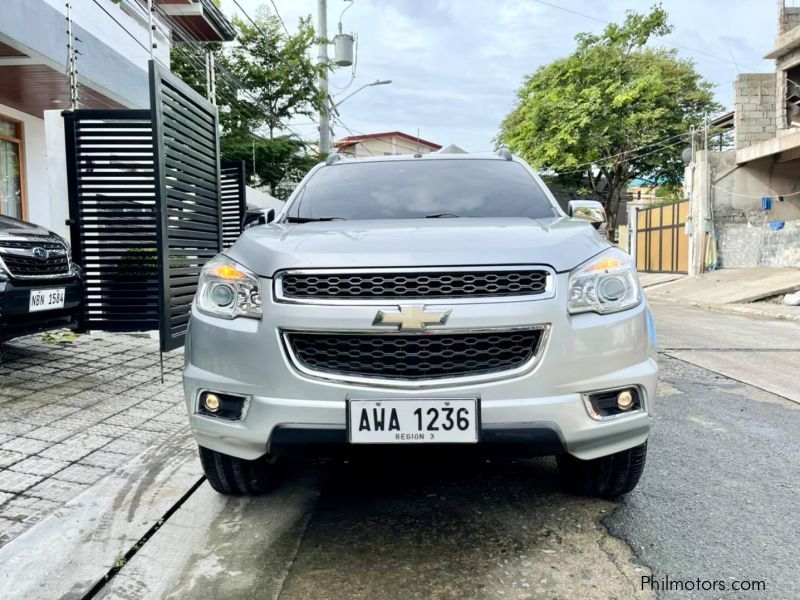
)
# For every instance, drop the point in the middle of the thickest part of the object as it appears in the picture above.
(112, 41)
(383, 144)
(747, 198)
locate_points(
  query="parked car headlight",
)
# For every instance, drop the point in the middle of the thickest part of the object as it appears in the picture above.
(227, 289)
(605, 284)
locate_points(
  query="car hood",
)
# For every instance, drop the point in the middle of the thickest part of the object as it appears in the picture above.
(10, 226)
(561, 243)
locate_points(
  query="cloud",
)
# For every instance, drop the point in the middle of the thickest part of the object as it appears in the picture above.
(456, 64)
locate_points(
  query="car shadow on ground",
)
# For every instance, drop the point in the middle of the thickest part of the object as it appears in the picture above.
(386, 526)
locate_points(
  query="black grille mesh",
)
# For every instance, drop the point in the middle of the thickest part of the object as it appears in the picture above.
(452, 284)
(27, 265)
(414, 356)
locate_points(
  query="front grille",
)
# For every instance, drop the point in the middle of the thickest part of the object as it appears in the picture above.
(422, 284)
(18, 257)
(414, 357)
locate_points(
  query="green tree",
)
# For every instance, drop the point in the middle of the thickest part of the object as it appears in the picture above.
(609, 98)
(264, 79)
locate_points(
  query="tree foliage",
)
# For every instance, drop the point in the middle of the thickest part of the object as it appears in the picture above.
(264, 79)
(609, 98)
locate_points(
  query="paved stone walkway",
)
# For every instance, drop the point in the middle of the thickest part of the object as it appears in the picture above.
(71, 413)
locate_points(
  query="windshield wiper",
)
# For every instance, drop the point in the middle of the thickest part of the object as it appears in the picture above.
(313, 219)
(442, 216)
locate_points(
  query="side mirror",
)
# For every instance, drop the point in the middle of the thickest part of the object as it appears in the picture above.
(588, 210)
(258, 216)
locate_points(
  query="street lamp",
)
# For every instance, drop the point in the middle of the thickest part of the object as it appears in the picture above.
(336, 105)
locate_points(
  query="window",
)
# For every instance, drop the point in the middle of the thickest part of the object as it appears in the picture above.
(408, 189)
(12, 185)
(793, 97)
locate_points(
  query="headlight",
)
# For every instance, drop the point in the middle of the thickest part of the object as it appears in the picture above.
(227, 289)
(605, 284)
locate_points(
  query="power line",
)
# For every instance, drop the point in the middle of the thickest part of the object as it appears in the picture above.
(662, 38)
(605, 158)
(256, 25)
(234, 84)
(667, 147)
(770, 194)
(278, 14)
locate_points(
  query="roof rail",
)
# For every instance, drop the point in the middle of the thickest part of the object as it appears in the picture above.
(504, 154)
(332, 158)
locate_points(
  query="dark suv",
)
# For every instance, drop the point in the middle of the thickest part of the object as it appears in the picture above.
(40, 287)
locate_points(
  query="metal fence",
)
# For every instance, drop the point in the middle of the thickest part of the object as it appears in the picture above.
(233, 201)
(187, 169)
(148, 207)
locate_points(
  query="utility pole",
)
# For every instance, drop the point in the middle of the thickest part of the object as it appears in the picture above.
(322, 31)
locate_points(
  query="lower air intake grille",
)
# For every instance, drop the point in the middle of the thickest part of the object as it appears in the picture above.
(414, 357)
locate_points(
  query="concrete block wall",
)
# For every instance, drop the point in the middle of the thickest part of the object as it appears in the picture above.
(791, 18)
(754, 100)
(743, 244)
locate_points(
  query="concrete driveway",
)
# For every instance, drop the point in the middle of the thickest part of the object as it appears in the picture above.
(715, 506)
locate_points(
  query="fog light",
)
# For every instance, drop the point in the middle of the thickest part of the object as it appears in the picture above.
(222, 405)
(211, 402)
(625, 400)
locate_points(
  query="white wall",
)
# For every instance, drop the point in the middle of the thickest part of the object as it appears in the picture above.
(57, 202)
(131, 15)
(35, 163)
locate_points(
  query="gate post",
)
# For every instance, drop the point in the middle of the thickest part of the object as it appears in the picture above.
(633, 228)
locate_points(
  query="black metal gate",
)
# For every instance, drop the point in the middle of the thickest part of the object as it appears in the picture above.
(233, 201)
(113, 217)
(146, 207)
(185, 132)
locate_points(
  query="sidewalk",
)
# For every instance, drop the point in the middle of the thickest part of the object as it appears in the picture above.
(740, 291)
(70, 414)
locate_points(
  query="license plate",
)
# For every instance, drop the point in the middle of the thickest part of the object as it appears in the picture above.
(46, 299)
(439, 421)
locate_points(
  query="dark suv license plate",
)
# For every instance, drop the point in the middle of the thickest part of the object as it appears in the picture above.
(415, 421)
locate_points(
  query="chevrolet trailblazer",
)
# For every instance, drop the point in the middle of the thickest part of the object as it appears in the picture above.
(410, 300)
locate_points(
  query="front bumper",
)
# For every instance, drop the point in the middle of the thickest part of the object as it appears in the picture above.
(584, 353)
(15, 318)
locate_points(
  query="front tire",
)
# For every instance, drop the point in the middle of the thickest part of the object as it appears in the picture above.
(234, 476)
(608, 476)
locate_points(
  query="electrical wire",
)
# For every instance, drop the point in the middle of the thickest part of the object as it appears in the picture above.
(769, 194)
(605, 158)
(277, 13)
(626, 159)
(662, 38)
(256, 25)
(234, 84)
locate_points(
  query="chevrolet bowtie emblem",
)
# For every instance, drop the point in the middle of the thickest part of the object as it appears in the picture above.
(411, 318)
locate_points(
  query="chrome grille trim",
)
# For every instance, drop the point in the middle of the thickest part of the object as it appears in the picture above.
(341, 378)
(548, 292)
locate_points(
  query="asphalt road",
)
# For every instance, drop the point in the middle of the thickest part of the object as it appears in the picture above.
(718, 501)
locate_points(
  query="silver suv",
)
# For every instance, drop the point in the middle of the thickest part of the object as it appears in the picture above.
(411, 300)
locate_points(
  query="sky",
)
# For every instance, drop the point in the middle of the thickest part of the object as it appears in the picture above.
(455, 65)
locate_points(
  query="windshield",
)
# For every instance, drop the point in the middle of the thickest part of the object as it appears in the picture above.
(419, 188)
